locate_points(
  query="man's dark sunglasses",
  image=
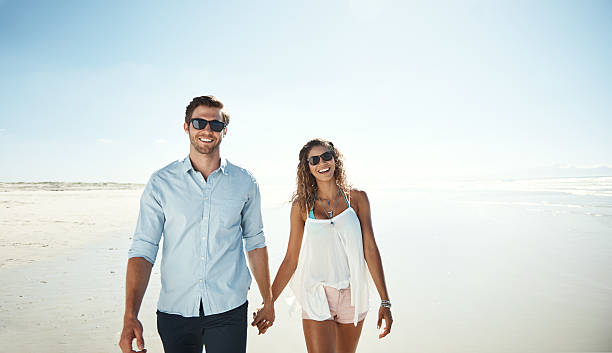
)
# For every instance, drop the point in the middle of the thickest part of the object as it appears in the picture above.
(215, 125)
(326, 156)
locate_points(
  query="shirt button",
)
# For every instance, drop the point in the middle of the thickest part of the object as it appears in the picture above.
(203, 238)
(202, 258)
(200, 281)
(205, 217)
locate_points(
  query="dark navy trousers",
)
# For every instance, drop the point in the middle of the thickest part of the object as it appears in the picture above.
(219, 333)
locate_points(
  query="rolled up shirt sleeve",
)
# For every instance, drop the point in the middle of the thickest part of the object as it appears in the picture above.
(150, 224)
(252, 224)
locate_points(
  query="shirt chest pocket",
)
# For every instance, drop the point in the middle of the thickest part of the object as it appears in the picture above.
(228, 211)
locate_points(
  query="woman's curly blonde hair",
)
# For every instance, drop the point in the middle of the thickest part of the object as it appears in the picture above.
(306, 185)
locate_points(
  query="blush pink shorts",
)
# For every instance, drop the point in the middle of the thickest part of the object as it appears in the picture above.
(340, 307)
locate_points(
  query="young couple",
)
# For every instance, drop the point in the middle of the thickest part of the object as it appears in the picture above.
(208, 209)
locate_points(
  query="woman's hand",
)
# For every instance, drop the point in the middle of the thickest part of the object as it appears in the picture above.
(263, 318)
(384, 314)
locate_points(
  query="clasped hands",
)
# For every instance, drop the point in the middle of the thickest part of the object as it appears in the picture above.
(263, 318)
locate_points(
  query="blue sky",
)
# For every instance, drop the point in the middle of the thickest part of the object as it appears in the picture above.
(96, 90)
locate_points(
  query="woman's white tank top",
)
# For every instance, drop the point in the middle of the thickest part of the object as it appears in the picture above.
(331, 255)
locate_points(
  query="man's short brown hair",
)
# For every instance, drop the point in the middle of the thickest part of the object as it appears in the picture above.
(207, 101)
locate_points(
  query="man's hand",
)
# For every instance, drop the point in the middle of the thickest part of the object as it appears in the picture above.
(132, 328)
(263, 318)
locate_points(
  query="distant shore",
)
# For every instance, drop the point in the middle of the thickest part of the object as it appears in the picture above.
(66, 186)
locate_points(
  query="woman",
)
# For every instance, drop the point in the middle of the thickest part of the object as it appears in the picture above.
(330, 242)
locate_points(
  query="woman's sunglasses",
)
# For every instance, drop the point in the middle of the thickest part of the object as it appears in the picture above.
(326, 156)
(215, 125)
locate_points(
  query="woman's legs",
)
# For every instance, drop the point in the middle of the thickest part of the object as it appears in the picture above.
(331, 337)
(320, 336)
(339, 334)
(347, 337)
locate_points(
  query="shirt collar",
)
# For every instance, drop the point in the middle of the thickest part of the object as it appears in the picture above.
(223, 165)
(187, 166)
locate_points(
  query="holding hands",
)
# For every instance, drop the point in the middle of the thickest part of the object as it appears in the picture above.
(263, 318)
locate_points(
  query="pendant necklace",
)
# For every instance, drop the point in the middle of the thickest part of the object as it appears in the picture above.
(330, 212)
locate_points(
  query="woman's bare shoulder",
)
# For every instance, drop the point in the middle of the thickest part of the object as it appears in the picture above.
(298, 209)
(359, 199)
(359, 195)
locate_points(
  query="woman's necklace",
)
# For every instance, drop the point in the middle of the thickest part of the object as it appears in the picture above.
(328, 211)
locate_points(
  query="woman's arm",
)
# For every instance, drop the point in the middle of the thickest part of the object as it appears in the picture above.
(372, 256)
(289, 264)
(370, 249)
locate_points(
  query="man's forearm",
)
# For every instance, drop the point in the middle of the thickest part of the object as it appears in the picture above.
(136, 281)
(258, 260)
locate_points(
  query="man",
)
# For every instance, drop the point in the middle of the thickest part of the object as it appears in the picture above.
(205, 207)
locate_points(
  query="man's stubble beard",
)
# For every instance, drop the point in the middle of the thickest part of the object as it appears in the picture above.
(212, 149)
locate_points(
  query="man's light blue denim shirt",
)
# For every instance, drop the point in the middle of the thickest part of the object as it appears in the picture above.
(204, 224)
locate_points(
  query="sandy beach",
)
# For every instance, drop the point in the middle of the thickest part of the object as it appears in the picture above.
(481, 132)
(509, 267)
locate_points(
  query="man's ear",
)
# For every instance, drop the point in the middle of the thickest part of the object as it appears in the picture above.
(224, 131)
(186, 128)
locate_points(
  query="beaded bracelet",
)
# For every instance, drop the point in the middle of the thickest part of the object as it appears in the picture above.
(385, 304)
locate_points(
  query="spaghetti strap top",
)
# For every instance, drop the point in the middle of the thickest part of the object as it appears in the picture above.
(348, 203)
(331, 255)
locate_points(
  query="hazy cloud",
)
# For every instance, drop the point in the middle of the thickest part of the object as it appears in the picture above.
(160, 141)
(105, 141)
